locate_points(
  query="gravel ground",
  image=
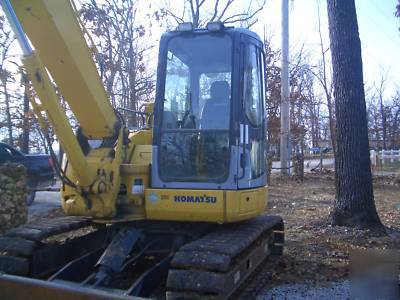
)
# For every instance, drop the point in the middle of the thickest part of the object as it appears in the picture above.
(44, 203)
(331, 291)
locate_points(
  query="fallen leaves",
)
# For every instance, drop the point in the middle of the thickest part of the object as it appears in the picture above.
(315, 250)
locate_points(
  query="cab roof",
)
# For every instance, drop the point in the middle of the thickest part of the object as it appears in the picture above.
(229, 29)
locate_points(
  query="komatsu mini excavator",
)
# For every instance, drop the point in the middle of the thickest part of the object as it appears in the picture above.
(177, 205)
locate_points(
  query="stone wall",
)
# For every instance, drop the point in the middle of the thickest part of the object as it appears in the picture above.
(13, 208)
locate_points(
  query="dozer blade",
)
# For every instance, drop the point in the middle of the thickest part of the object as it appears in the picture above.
(22, 288)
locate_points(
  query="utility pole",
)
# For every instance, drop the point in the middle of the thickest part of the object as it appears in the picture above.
(285, 103)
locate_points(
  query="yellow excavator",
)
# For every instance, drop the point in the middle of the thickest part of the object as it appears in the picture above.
(177, 205)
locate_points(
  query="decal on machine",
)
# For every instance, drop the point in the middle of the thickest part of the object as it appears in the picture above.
(196, 199)
(153, 197)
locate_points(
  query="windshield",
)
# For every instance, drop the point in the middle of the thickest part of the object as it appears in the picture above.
(196, 111)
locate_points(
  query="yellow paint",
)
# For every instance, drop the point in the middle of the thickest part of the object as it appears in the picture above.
(50, 104)
(91, 202)
(205, 205)
(136, 166)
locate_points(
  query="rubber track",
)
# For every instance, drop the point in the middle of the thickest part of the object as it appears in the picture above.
(201, 269)
(257, 282)
(18, 244)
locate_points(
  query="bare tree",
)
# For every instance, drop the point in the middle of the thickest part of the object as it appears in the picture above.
(24, 144)
(305, 116)
(395, 130)
(323, 75)
(374, 123)
(383, 118)
(6, 76)
(200, 12)
(121, 52)
(273, 92)
(380, 91)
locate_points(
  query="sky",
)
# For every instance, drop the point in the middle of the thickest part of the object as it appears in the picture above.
(378, 28)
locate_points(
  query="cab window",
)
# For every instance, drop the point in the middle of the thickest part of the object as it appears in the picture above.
(253, 100)
(194, 134)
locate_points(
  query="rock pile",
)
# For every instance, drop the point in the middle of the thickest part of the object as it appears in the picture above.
(13, 208)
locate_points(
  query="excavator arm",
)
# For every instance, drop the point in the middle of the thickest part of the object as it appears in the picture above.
(62, 60)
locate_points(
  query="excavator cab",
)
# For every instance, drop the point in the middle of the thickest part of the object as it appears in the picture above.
(209, 111)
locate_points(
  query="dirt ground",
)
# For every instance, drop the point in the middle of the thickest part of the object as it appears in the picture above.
(316, 251)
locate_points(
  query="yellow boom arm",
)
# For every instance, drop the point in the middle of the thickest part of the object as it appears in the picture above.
(62, 56)
(53, 29)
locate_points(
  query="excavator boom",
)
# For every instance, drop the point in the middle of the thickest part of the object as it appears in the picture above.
(61, 67)
(54, 31)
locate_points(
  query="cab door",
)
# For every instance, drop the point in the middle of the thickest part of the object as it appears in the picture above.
(252, 161)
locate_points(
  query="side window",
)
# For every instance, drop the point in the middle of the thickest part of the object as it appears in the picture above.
(257, 157)
(253, 99)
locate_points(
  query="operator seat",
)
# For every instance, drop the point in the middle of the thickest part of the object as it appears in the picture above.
(215, 114)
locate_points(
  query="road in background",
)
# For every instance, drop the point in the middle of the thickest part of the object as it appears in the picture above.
(308, 164)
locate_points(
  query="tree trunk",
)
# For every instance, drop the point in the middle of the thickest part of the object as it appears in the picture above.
(354, 204)
(332, 125)
(25, 121)
(383, 121)
(8, 114)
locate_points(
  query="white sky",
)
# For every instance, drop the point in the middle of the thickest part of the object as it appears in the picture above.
(378, 29)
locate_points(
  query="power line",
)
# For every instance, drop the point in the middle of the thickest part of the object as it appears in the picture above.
(385, 17)
(378, 26)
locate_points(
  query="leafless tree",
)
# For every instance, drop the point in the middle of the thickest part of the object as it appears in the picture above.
(306, 120)
(24, 143)
(200, 12)
(121, 51)
(383, 119)
(324, 75)
(380, 91)
(6, 76)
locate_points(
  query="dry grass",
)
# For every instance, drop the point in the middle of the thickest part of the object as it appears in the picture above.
(315, 250)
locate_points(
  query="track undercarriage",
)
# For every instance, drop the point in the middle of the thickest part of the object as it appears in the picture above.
(74, 257)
